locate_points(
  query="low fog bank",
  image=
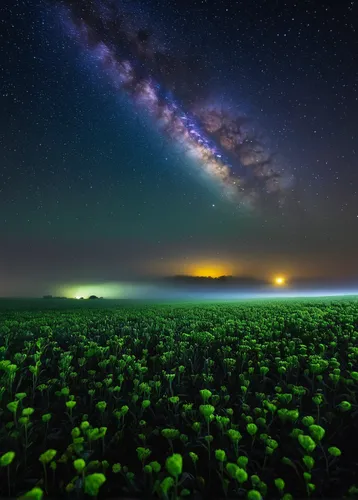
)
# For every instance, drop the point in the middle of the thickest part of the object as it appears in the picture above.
(234, 292)
(188, 288)
(169, 290)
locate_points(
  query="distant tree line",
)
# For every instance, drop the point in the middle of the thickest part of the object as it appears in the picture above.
(53, 297)
(208, 280)
(91, 297)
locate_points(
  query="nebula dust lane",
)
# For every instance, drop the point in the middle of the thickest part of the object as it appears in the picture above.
(224, 146)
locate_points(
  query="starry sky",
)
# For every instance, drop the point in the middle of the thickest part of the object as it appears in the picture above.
(232, 147)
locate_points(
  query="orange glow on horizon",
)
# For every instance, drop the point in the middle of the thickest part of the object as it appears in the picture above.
(213, 269)
(280, 281)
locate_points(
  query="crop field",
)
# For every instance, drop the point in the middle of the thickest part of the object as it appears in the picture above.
(249, 400)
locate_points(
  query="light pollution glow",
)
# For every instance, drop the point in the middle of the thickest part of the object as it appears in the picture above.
(209, 268)
(280, 281)
(110, 290)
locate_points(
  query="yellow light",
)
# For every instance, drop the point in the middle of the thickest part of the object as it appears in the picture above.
(212, 268)
(78, 298)
(279, 281)
(205, 272)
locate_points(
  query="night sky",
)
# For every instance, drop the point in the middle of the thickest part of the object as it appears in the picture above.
(141, 139)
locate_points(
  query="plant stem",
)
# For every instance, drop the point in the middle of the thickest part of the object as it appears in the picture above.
(8, 481)
(25, 446)
(325, 457)
(176, 488)
(45, 473)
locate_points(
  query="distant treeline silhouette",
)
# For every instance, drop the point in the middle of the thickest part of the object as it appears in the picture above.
(209, 280)
(91, 297)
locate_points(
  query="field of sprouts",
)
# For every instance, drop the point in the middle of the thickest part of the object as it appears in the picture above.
(252, 400)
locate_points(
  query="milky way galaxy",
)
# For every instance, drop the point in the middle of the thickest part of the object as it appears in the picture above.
(225, 146)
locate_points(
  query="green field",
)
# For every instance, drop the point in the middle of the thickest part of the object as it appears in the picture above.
(256, 399)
